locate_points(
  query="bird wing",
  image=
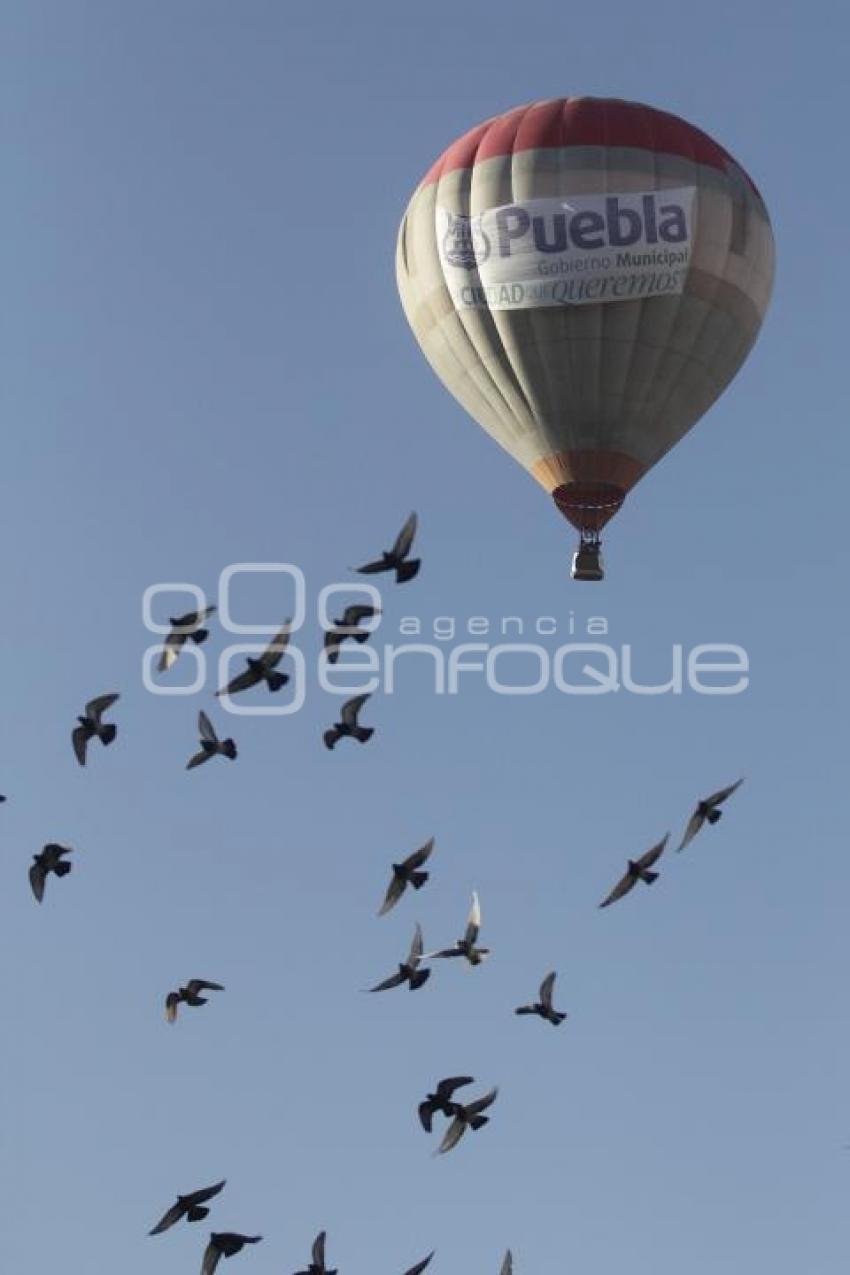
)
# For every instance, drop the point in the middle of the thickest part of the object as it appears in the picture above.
(333, 637)
(546, 990)
(273, 653)
(197, 759)
(38, 876)
(717, 798)
(452, 1136)
(170, 650)
(446, 1087)
(241, 682)
(211, 1258)
(419, 856)
(404, 539)
(420, 1266)
(395, 980)
(80, 737)
(417, 947)
(168, 1219)
(426, 1114)
(473, 923)
(318, 1250)
(481, 1104)
(96, 707)
(354, 615)
(394, 892)
(695, 822)
(351, 708)
(205, 1193)
(196, 985)
(372, 568)
(626, 883)
(330, 737)
(653, 855)
(172, 1000)
(206, 728)
(507, 1264)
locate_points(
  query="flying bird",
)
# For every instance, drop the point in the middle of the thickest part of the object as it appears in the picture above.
(420, 1266)
(348, 724)
(637, 870)
(409, 971)
(407, 873)
(49, 860)
(188, 1206)
(348, 627)
(466, 1117)
(189, 995)
(211, 745)
(262, 669)
(440, 1100)
(224, 1244)
(317, 1258)
(466, 946)
(184, 627)
(91, 725)
(707, 810)
(396, 559)
(543, 1007)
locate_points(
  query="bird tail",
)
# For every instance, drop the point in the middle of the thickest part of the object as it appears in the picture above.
(556, 1017)
(407, 570)
(713, 815)
(418, 879)
(196, 1212)
(200, 635)
(276, 680)
(229, 749)
(108, 733)
(62, 869)
(478, 1122)
(648, 876)
(362, 733)
(418, 977)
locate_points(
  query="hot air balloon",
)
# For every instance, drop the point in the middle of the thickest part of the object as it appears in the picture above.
(586, 275)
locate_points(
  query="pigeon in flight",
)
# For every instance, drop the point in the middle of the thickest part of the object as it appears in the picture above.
(184, 627)
(211, 745)
(190, 995)
(348, 725)
(348, 627)
(420, 1266)
(407, 873)
(396, 559)
(707, 810)
(408, 972)
(543, 1007)
(637, 870)
(466, 1117)
(49, 860)
(440, 1100)
(224, 1244)
(188, 1206)
(317, 1258)
(262, 669)
(466, 946)
(91, 725)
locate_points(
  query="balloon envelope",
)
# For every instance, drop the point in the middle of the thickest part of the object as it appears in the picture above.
(586, 275)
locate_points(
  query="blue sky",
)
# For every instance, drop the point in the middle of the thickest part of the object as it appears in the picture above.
(205, 363)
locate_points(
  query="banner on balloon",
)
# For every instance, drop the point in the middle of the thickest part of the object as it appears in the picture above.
(581, 250)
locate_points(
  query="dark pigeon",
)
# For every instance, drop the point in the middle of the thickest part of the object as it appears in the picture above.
(263, 668)
(637, 870)
(543, 1007)
(348, 726)
(396, 559)
(90, 726)
(184, 627)
(211, 745)
(407, 873)
(409, 971)
(707, 811)
(188, 1206)
(49, 860)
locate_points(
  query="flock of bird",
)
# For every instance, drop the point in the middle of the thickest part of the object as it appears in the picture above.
(410, 872)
